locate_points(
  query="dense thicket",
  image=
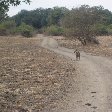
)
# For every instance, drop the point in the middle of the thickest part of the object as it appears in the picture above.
(84, 22)
(40, 17)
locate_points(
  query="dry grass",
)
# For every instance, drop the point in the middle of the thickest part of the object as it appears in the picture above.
(31, 78)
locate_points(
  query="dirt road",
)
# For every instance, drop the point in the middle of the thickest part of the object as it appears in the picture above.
(92, 87)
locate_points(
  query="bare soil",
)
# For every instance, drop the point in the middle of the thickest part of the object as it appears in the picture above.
(92, 86)
(32, 78)
(49, 79)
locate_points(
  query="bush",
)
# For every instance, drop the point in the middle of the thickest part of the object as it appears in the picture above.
(54, 30)
(2, 30)
(68, 32)
(109, 31)
(109, 28)
(26, 33)
(25, 30)
(7, 27)
(101, 29)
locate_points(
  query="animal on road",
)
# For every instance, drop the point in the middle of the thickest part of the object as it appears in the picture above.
(77, 54)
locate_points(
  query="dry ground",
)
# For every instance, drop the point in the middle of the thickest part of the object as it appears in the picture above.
(92, 86)
(104, 48)
(32, 79)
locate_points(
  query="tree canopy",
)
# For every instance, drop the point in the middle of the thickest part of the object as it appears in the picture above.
(83, 23)
(41, 17)
(4, 4)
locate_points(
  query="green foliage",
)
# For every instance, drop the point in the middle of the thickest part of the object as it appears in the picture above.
(84, 22)
(4, 4)
(25, 30)
(4, 7)
(55, 15)
(7, 27)
(36, 18)
(40, 17)
(68, 32)
(110, 26)
(3, 16)
(101, 29)
(109, 29)
(9, 24)
(54, 30)
(81, 21)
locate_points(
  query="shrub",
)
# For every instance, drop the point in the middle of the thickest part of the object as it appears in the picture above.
(54, 30)
(109, 31)
(7, 27)
(101, 29)
(109, 28)
(68, 32)
(2, 30)
(25, 30)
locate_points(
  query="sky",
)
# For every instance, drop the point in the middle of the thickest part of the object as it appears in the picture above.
(61, 3)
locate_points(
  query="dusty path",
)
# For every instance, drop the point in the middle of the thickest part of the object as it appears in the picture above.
(92, 88)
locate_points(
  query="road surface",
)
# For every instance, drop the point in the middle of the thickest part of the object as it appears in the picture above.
(92, 87)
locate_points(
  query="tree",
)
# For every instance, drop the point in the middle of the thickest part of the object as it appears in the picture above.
(81, 22)
(40, 17)
(4, 4)
(54, 17)
(3, 16)
(36, 18)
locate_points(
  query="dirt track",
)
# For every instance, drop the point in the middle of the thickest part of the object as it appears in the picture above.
(92, 87)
